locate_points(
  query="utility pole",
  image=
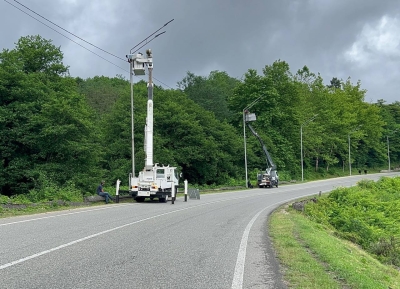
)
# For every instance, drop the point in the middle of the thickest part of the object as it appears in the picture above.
(244, 112)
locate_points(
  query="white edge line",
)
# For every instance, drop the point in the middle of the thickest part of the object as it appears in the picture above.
(242, 250)
(237, 282)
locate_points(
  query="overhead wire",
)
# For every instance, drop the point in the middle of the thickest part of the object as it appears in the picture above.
(150, 36)
(89, 42)
(68, 31)
(67, 37)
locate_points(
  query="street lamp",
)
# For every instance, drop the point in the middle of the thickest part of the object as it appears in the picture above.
(244, 135)
(349, 146)
(132, 119)
(301, 144)
(138, 71)
(388, 153)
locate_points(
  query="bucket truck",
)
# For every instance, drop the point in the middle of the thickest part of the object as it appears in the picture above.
(154, 181)
(268, 178)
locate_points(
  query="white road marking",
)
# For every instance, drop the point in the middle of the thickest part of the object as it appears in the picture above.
(80, 240)
(239, 270)
(237, 282)
(60, 215)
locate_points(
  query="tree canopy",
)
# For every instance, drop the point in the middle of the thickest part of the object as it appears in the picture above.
(55, 129)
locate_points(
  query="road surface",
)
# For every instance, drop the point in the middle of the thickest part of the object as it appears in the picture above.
(219, 241)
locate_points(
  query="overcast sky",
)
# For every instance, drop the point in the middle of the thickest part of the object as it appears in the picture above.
(336, 38)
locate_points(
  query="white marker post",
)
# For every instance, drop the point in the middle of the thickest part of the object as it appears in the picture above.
(117, 191)
(186, 189)
(173, 194)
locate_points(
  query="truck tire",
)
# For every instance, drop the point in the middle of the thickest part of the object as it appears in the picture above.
(163, 199)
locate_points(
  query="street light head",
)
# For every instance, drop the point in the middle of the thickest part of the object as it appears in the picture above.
(148, 52)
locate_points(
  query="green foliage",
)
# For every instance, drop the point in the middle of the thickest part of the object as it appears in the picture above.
(185, 135)
(46, 126)
(367, 215)
(71, 131)
(102, 92)
(211, 92)
(4, 199)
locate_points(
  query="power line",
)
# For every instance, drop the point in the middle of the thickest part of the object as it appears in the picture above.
(68, 31)
(162, 83)
(67, 37)
(89, 42)
(150, 36)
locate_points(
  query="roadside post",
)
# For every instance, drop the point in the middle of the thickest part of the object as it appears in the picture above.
(186, 189)
(117, 191)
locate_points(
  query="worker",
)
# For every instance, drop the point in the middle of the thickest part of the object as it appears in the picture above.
(101, 193)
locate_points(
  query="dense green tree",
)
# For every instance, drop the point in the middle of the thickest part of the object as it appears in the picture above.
(46, 130)
(56, 129)
(335, 83)
(273, 95)
(102, 92)
(210, 92)
(185, 135)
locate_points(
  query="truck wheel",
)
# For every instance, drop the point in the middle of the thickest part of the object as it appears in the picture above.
(163, 199)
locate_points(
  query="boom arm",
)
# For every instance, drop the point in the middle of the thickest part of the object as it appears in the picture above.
(272, 165)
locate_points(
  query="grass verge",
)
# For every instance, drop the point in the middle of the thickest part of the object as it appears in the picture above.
(312, 257)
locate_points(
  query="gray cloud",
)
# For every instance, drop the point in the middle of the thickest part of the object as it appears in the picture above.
(337, 38)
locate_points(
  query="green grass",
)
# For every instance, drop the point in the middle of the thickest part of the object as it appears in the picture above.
(312, 257)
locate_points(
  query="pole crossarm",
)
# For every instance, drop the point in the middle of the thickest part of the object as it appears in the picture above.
(252, 104)
(310, 120)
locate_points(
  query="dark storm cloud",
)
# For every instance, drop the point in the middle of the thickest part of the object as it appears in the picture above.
(339, 38)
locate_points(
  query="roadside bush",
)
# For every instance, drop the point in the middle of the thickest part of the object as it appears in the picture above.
(367, 215)
(4, 199)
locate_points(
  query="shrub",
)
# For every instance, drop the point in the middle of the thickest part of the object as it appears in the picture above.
(367, 215)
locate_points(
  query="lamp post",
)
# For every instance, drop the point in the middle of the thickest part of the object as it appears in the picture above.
(388, 150)
(244, 136)
(132, 119)
(301, 144)
(387, 138)
(349, 146)
(136, 66)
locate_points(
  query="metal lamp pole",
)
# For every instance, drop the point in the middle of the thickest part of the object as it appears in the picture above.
(349, 155)
(301, 152)
(387, 138)
(132, 120)
(244, 136)
(301, 144)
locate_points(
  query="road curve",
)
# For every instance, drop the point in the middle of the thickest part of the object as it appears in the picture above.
(219, 241)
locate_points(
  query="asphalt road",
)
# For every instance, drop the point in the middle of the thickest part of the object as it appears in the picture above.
(219, 241)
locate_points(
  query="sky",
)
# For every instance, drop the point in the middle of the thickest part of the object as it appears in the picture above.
(359, 39)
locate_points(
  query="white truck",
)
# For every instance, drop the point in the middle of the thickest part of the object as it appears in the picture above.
(154, 181)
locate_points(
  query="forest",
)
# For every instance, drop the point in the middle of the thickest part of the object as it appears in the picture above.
(59, 132)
